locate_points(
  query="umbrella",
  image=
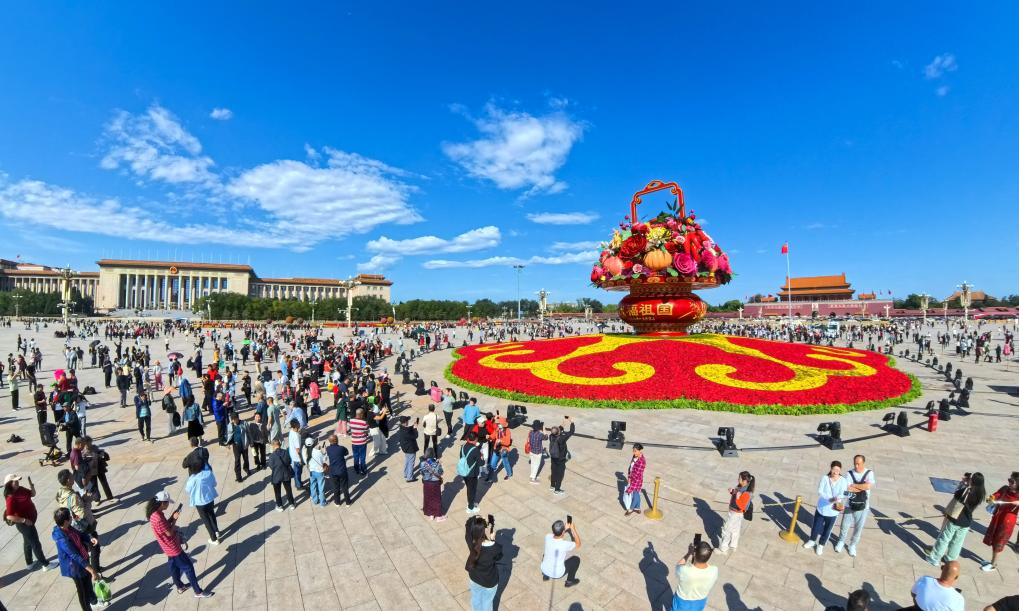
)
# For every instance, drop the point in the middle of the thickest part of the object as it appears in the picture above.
(174, 355)
(94, 343)
(58, 374)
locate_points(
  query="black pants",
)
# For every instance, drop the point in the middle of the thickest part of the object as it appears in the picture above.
(259, 449)
(290, 493)
(572, 565)
(340, 488)
(101, 478)
(435, 444)
(472, 490)
(221, 431)
(93, 550)
(145, 427)
(240, 454)
(449, 422)
(41, 416)
(208, 515)
(86, 595)
(558, 471)
(30, 537)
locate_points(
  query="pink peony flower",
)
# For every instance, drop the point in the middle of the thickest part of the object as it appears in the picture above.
(684, 264)
(596, 273)
(639, 269)
(708, 260)
(723, 264)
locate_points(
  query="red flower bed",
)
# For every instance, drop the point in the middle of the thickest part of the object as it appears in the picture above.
(700, 371)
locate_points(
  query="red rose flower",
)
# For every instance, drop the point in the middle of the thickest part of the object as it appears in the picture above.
(632, 246)
(671, 247)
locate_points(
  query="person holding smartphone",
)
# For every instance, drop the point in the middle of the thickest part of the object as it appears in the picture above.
(482, 569)
(554, 563)
(695, 576)
(20, 510)
(168, 538)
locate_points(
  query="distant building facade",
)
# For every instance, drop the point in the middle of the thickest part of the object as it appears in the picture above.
(169, 285)
(810, 296)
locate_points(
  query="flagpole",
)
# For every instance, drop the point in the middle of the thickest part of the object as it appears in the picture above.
(789, 289)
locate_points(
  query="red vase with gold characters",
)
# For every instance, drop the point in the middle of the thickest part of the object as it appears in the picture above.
(661, 307)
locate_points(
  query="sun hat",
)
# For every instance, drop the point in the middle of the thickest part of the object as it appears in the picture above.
(11, 477)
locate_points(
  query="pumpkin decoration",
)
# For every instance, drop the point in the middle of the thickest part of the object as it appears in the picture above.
(657, 259)
(613, 265)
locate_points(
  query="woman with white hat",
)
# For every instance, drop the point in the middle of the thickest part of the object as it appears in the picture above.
(21, 511)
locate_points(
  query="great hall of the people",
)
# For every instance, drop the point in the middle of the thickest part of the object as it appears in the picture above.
(168, 285)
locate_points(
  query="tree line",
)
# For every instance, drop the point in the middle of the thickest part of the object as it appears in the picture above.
(27, 303)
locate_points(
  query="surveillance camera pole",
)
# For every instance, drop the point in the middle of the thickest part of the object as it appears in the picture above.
(519, 269)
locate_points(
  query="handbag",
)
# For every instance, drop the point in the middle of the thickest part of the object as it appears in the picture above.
(955, 506)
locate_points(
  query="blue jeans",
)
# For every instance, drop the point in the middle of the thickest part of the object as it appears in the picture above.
(821, 529)
(631, 500)
(678, 604)
(482, 599)
(181, 564)
(409, 460)
(318, 483)
(360, 453)
(503, 457)
(297, 474)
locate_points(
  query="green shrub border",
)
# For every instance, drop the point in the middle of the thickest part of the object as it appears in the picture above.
(772, 409)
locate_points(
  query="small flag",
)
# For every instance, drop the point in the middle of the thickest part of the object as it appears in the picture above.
(785, 248)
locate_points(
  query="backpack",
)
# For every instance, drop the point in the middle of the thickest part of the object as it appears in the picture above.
(748, 513)
(858, 500)
(463, 468)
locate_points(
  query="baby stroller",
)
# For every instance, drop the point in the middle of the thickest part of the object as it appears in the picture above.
(48, 437)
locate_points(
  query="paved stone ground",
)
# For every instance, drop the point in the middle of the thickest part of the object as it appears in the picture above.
(382, 554)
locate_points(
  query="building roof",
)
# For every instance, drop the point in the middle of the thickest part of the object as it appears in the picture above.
(828, 291)
(866, 296)
(44, 272)
(178, 264)
(973, 295)
(308, 281)
(816, 282)
(378, 279)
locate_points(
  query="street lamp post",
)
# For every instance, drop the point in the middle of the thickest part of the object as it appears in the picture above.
(208, 305)
(925, 302)
(313, 303)
(887, 307)
(519, 268)
(740, 310)
(66, 273)
(965, 300)
(349, 285)
(17, 305)
(469, 314)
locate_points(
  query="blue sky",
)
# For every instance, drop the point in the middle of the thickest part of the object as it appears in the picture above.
(441, 143)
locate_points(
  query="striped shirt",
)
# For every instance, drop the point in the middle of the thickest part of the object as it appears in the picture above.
(358, 432)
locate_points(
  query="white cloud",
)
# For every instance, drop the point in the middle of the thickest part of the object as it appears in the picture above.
(37, 203)
(353, 194)
(575, 246)
(156, 146)
(475, 239)
(940, 65)
(379, 263)
(564, 259)
(222, 114)
(518, 150)
(942, 91)
(562, 218)
(898, 64)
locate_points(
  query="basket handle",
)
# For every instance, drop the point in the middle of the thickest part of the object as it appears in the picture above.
(656, 185)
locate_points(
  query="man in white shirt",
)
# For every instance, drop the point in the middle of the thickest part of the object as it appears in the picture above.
(860, 481)
(554, 563)
(930, 594)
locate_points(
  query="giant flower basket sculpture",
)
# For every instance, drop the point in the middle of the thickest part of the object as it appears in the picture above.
(661, 262)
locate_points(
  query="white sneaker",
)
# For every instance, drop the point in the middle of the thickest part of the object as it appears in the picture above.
(839, 547)
(987, 568)
(279, 509)
(809, 544)
(852, 551)
(819, 549)
(213, 542)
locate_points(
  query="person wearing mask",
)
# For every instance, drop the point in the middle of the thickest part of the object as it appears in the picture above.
(558, 452)
(634, 480)
(554, 561)
(469, 467)
(409, 446)
(482, 563)
(72, 554)
(831, 492)
(237, 439)
(1005, 502)
(19, 509)
(535, 449)
(168, 538)
(695, 578)
(431, 480)
(280, 473)
(930, 594)
(740, 498)
(143, 412)
(336, 458)
(82, 518)
(958, 519)
(860, 480)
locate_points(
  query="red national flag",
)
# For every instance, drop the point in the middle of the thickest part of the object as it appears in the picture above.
(785, 248)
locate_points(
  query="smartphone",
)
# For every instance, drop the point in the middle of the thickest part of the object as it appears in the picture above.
(569, 520)
(697, 539)
(491, 520)
(179, 507)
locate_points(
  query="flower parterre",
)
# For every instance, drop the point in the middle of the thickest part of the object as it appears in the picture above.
(672, 244)
(701, 371)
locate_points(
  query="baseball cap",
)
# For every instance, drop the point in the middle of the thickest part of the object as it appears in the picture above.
(309, 442)
(163, 496)
(11, 477)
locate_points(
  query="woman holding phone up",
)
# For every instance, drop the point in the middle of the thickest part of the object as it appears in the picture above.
(169, 540)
